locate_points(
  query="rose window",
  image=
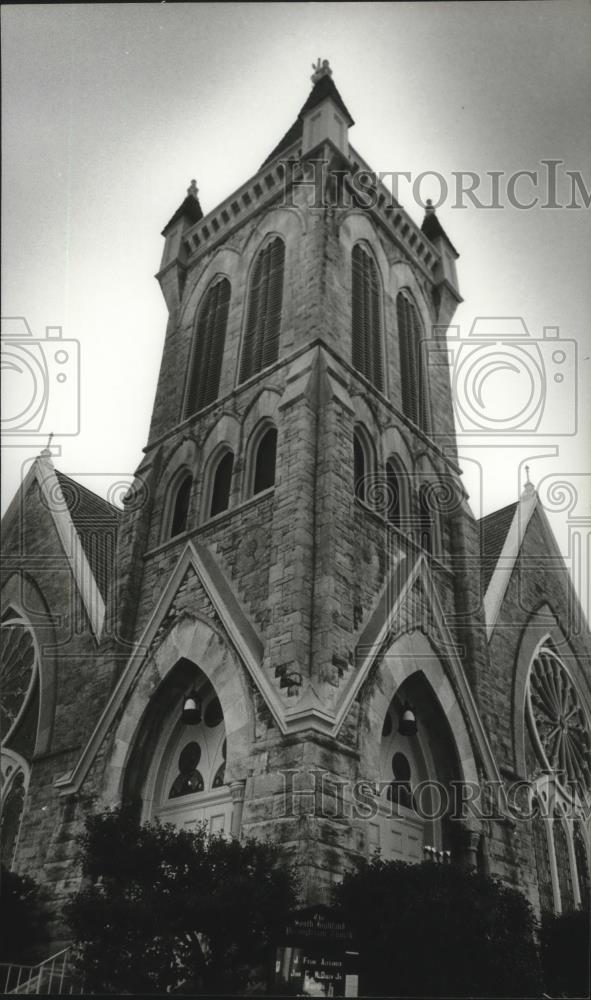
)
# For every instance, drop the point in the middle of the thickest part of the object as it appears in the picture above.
(560, 728)
(17, 671)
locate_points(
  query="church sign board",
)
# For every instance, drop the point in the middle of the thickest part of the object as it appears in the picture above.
(317, 955)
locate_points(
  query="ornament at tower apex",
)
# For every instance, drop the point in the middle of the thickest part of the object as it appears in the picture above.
(193, 190)
(321, 68)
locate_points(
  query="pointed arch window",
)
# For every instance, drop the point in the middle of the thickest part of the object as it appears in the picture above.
(263, 320)
(410, 334)
(563, 869)
(208, 348)
(360, 466)
(366, 313)
(393, 498)
(180, 505)
(542, 856)
(222, 484)
(265, 461)
(186, 782)
(426, 526)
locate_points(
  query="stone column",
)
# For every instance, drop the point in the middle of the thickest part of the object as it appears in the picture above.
(237, 793)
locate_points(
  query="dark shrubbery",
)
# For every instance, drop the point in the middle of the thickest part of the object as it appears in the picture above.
(566, 950)
(438, 930)
(166, 907)
(24, 918)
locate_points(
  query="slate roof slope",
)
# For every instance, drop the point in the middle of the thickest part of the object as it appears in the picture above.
(493, 532)
(96, 522)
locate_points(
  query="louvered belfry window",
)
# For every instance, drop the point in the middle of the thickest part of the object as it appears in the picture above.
(263, 321)
(180, 509)
(222, 484)
(208, 348)
(410, 334)
(366, 318)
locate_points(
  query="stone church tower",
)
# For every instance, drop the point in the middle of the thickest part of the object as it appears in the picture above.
(298, 568)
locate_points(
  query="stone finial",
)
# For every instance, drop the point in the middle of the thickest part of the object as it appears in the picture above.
(193, 189)
(321, 68)
(429, 209)
(528, 489)
(46, 453)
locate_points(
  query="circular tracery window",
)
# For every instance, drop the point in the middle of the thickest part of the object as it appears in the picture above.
(560, 728)
(17, 670)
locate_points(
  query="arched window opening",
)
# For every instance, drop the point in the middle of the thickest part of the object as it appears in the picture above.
(18, 674)
(425, 520)
(558, 743)
(366, 313)
(400, 790)
(186, 785)
(180, 510)
(410, 335)
(265, 461)
(208, 348)
(410, 824)
(542, 855)
(359, 468)
(222, 484)
(393, 496)
(265, 300)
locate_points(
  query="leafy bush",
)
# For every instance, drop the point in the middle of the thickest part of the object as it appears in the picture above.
(565, 954)
(24, 918)
(439, 930)
(164, 907)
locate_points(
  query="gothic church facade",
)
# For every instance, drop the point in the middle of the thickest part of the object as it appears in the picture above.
(297, 563)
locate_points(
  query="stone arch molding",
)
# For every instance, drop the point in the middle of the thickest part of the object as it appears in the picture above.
(409, 655)
(196, 640)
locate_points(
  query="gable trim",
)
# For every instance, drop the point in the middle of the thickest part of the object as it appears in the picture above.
(242, 635)
(379, 632)
(499, 581)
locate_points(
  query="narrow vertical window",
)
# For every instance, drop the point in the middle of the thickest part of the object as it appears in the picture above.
(410, 334)
(264, 467)
(366, 318)
(540, 840)
(207, 351)
(222, 484)
(425, 520)
(263, 320)
(359, 467)
(180, 508)
(393, 496)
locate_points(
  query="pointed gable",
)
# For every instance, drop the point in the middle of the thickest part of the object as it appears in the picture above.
(323, 89)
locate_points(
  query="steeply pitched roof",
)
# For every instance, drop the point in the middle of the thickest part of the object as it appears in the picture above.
(190, 209)
(96, 522)
(322, 89)
(493, 532)
(432, 227)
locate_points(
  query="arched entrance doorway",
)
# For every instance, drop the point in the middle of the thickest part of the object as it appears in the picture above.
(177, 769)
(418, 764)
(186, 783)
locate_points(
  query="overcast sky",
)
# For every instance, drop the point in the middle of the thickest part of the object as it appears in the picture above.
(110, 110)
